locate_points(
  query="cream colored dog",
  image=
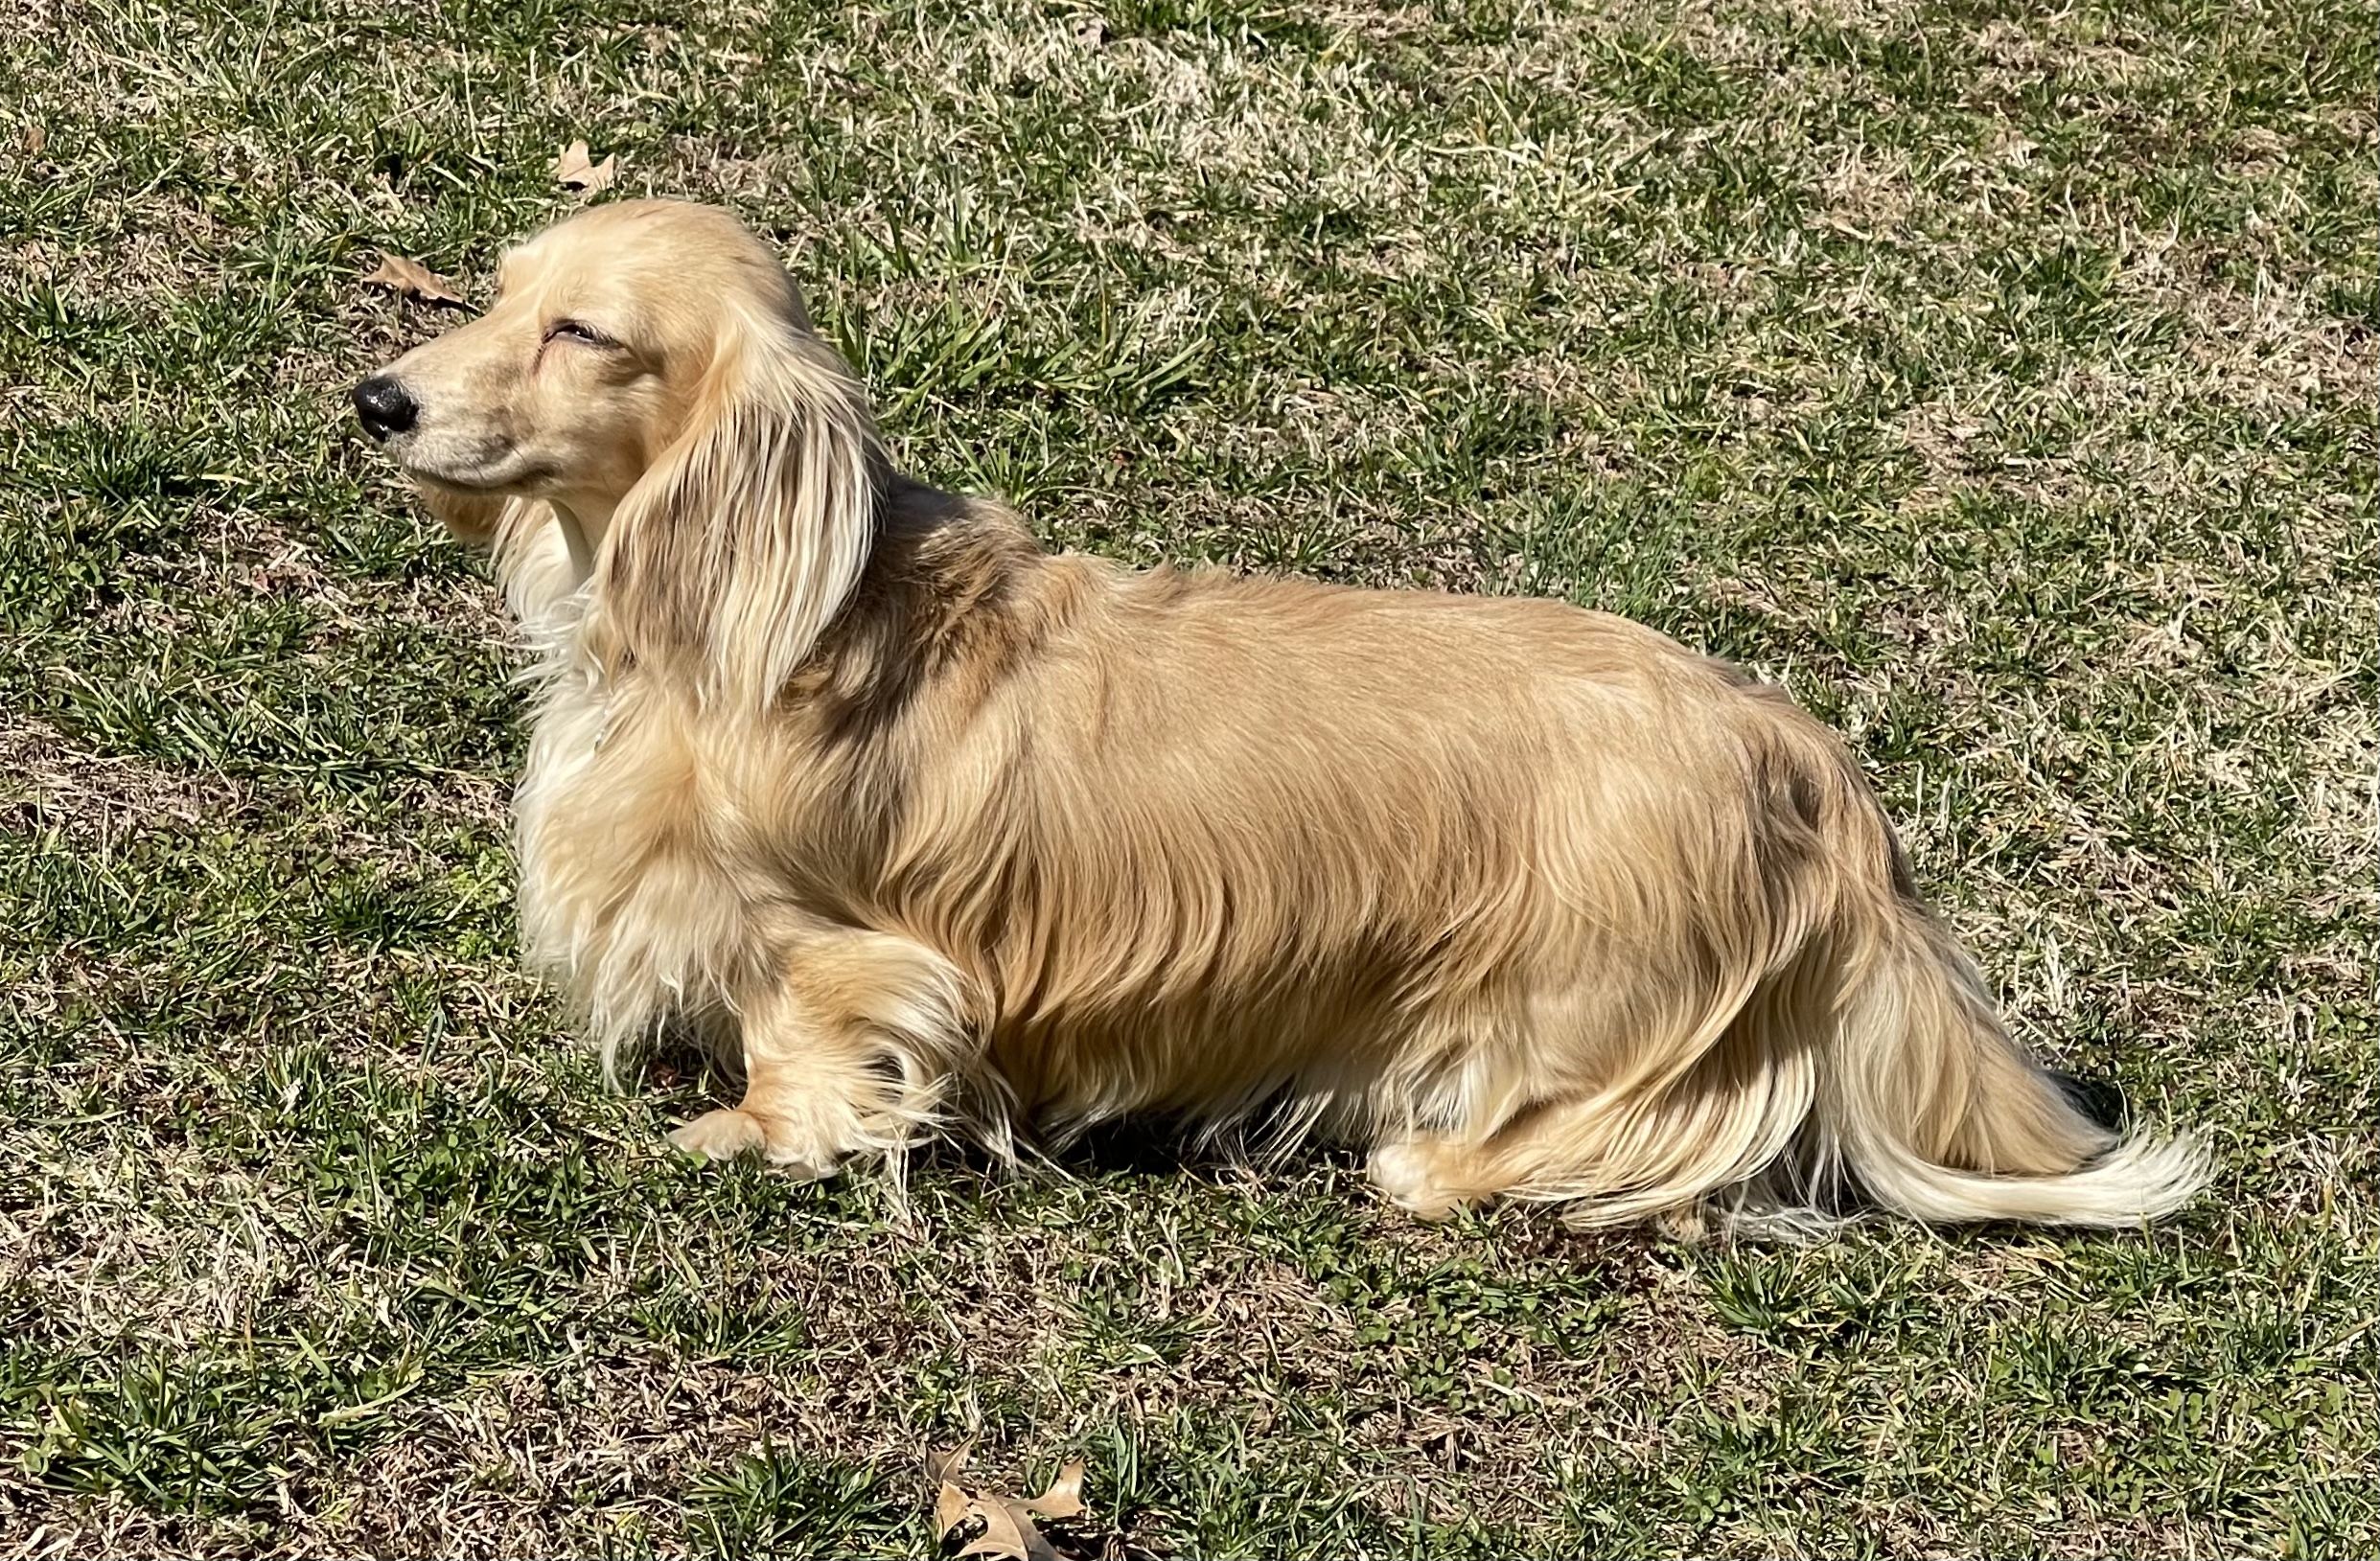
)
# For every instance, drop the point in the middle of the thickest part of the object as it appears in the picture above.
(942, 831)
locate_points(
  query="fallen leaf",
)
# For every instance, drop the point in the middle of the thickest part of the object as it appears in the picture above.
(1064, 1497)
(573, 169)
(1008, 1534)
(411, 279)
(36, 137)
(951, 1509)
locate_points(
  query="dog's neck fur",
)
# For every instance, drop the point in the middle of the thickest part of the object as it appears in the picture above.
(582, 522)
(946, 574)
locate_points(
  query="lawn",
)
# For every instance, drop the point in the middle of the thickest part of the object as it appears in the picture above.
(2001, 380)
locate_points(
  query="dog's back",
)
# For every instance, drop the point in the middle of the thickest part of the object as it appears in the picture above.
(1443, 870)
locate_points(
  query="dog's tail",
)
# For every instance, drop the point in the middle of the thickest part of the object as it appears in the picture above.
(1935, 1111)
(1922, 1097)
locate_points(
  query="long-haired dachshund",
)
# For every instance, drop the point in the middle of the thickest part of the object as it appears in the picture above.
(935, 830)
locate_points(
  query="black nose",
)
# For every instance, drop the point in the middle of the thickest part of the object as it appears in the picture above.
(384, 407)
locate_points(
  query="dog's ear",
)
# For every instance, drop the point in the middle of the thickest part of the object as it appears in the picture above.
(733, 554)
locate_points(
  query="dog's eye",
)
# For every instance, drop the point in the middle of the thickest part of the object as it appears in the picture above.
(578, 330)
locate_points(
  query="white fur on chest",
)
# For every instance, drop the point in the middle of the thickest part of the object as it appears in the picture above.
(626, 899)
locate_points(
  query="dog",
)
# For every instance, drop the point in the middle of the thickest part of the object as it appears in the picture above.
(936, 831)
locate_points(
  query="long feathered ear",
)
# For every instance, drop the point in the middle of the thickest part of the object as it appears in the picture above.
(729, 559)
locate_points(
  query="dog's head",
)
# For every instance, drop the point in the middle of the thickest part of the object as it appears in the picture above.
(648, 378)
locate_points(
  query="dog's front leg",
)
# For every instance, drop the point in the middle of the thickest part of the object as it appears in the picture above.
(851, 1052)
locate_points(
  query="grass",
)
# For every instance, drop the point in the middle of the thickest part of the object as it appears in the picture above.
(2001, 378)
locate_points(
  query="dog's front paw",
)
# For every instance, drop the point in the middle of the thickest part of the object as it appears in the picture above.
(1408, 1174)
(722, 1135)
(728, 1133)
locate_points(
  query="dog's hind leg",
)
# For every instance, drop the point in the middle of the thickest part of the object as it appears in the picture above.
(853, 1051)
(1622, 1154)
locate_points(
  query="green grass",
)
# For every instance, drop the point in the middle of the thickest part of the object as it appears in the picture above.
(1999, 378)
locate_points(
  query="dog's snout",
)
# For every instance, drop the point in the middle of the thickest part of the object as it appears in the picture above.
(386, 406)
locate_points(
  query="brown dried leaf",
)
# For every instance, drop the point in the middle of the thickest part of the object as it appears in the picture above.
(1064, 1497)
(573, 169)
(411, 279)
(1008, 1534)
(951, 1509)
(1036, 1547)
(36, 137)
(945, 1468)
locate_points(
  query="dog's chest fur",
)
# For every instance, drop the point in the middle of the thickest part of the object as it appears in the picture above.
(628, 896)
(669, 853)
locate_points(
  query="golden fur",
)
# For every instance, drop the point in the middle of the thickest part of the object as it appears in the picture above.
(941, 831)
